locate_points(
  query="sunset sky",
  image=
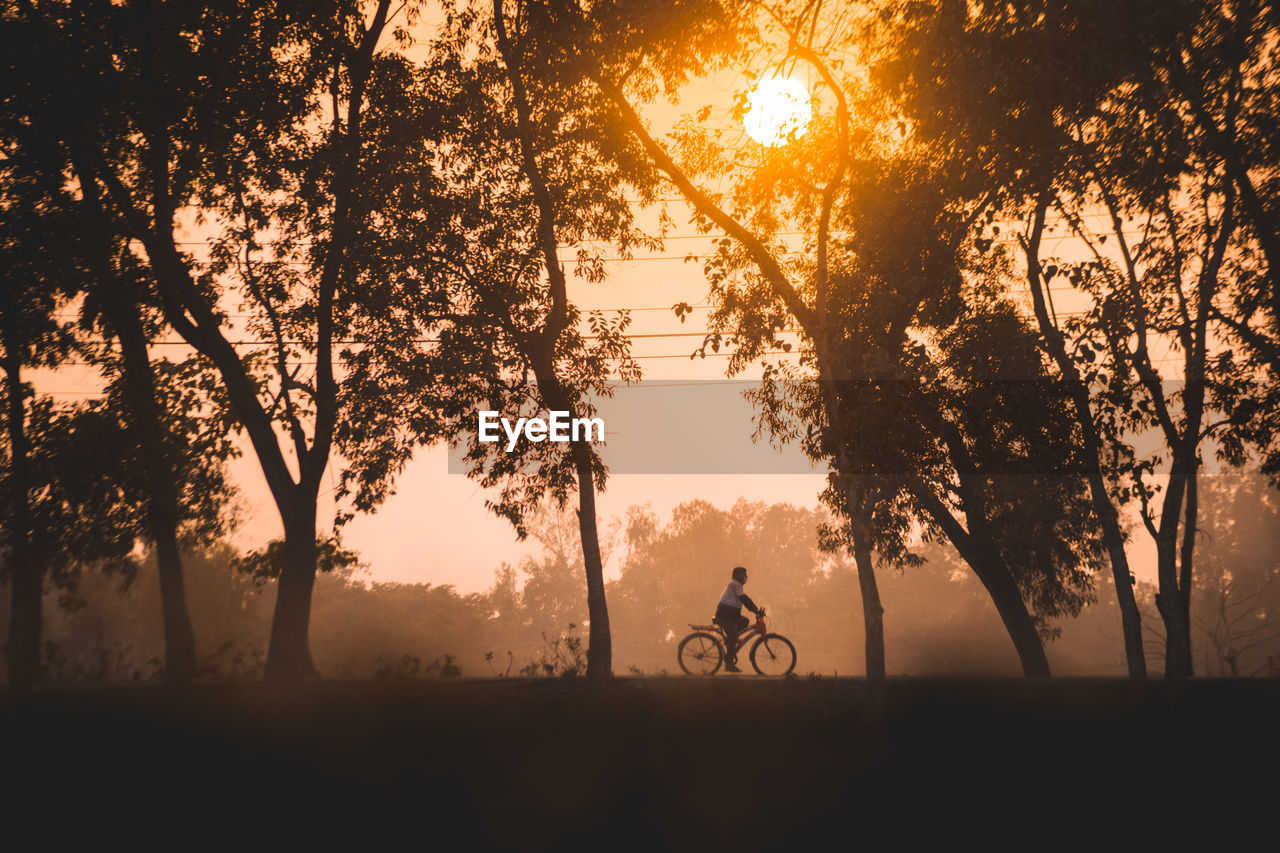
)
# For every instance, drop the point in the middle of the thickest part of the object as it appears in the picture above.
(436, 529)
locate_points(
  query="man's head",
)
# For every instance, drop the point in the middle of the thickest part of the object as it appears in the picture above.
(740, 574)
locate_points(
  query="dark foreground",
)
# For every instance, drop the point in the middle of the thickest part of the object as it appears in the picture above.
(654, 764)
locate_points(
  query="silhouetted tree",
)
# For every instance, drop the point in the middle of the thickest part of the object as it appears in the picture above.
(885, 227)
(37, 268)
(1009, 463)
(615, 47)
(50, 253)
(1219, 66)
(271, 126)
(1237, 584)
(527, 165)
(1217, 59)
(1075, 111)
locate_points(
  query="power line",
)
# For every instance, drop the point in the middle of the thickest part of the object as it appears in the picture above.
(583, 308)
(663, 238)
(1006, 237)
(702, 257)
(687, 356)
(696, 355)
(609, 260)
(352, 342)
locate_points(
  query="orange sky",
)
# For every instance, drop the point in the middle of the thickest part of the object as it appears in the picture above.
(436, 528)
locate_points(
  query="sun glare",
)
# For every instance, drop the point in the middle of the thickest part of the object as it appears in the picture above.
(778, 110)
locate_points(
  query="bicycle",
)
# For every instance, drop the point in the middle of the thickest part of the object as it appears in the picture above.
(703, 651)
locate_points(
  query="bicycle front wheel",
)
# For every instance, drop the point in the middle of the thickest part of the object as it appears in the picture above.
(773, 654)
(700, 654)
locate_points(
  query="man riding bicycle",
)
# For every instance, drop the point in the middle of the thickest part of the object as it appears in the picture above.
(729, 616)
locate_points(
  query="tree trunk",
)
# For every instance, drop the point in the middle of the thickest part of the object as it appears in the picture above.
(599, 638)
(1121, 576)
(998, 581)
(1177, 627)
(1005, 595)
(23, 649)
(1185, 568)
(1109, 521)
(1108, 518)
(179, 638)
(859, 513)
(1177, 630)
(600, 642)
(872, 609)
(121, 307)
(289, 653)
(1007, 598)
(1174, 600)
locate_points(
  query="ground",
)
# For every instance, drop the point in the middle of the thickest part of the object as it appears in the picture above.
(643, 763)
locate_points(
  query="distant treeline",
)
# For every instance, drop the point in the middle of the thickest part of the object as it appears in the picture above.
(530, 621)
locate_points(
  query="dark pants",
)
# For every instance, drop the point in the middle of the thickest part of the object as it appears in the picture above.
(732, 622)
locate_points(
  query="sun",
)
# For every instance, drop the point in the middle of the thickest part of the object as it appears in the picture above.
(778, 110)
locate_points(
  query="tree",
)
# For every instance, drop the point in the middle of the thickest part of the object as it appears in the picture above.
(158, 458)
(1071, 111)
(1217, 61)
(525, 164)
(541, 600)
(1238, 577)
(1218, 66)
(615, 49)
(538, 346)
(1157, 293)
(98, 272)
(35, 285)
(87, 509)
(1009, 462)
(884, 228)
(269, 124)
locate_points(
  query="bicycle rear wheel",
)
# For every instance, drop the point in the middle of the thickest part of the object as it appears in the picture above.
(700, 654)
(773, 654)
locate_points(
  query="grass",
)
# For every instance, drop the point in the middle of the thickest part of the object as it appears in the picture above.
(647, 763)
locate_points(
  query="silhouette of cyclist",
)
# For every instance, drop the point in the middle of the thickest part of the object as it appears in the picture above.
(729, 615)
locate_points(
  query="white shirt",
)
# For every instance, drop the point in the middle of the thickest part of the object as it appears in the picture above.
(733, 595)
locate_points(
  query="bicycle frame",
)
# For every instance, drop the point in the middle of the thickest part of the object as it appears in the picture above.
(744, 636)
